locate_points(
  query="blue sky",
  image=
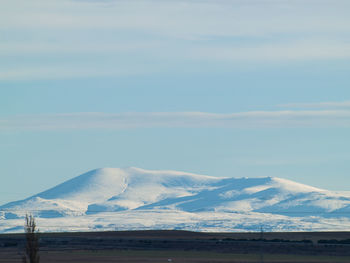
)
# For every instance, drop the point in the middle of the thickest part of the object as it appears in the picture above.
(224, 88)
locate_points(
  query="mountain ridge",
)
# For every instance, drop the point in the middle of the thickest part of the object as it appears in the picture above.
(136, 191)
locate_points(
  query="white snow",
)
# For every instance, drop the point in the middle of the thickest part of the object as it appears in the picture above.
(134, 198)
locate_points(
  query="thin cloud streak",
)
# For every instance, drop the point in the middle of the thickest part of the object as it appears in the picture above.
(323, 105)
(116, 121)
(71, 71)
(180, 18)
(57, 34)
(156, 51)
(296, 50)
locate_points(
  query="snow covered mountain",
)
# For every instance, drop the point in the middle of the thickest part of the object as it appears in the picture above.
(134, 198)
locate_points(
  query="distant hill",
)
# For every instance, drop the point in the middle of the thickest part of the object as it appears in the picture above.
(134, 198)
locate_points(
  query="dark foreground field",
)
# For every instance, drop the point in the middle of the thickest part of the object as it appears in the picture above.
(182, 246)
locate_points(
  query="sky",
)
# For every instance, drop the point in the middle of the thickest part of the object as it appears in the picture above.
(234, 88)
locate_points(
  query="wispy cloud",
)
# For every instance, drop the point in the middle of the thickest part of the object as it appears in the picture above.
(254, 119)
(181, 18)
(129, 57)
(320, 105)
(282, 51)
(62, 31)
(69, 71)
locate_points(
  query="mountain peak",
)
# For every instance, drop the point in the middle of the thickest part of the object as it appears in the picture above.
(294, 186)
(140, 191)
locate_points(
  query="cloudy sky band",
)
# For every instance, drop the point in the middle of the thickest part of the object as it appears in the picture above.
(253, 119)
(59, 34)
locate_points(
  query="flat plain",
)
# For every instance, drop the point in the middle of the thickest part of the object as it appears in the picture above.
(183, 246)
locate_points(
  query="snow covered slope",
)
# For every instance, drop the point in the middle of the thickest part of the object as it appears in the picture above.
(134, 198)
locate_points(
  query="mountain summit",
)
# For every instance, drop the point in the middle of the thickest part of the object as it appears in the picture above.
(147, 199)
